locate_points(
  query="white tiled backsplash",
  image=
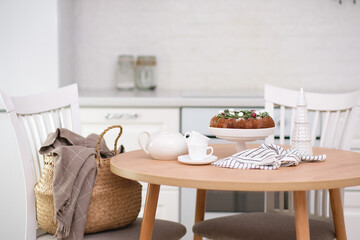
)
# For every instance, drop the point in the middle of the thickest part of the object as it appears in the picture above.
(213, 44)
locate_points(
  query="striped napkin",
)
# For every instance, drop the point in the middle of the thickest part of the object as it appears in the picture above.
(268, 157)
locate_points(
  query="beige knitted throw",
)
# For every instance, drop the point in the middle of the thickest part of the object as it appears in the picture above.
(74, 177)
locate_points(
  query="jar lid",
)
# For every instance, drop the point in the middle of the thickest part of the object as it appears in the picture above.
(125, 58)
(146, 60)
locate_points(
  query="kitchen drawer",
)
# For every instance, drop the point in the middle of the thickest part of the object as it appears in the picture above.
(352, 200)
(130, 115)
(133, 121)
(352, 213)
(355, 188)
(168, 203)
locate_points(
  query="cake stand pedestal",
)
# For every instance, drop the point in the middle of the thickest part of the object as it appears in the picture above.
(241, 136)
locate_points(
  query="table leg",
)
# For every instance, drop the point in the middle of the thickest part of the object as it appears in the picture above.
(147, 225)
(301, 216)
(338, 214)
(200, 208)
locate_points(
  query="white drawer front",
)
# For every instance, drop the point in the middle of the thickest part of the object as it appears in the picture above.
(133, 121)
(352, 200)
(168, 203)
(355, 188)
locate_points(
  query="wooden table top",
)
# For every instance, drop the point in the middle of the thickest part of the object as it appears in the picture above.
(340, 169)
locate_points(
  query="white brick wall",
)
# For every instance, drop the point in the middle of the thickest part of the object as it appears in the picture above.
(228, 44)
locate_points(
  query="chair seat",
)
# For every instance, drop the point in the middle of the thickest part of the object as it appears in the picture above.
(163, 230)
(259, 226)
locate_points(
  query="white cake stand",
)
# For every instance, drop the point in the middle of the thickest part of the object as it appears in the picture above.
(241, 136)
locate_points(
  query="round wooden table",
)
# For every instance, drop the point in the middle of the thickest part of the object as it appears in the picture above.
(340, 169)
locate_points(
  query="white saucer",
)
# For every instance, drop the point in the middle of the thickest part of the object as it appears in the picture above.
(187, 160)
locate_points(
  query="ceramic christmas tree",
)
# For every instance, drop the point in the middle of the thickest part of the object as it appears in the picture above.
(300, 137)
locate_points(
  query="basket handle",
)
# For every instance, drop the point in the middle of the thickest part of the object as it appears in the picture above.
(98, 157)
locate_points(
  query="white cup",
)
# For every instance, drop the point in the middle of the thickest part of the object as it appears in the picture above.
(194, 137)
(199, 151)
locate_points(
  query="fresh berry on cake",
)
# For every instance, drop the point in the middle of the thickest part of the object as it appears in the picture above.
(245, 119)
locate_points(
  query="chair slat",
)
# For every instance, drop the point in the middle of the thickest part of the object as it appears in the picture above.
(269, 201)
(74, 114)
(61, 118)
(314, 127)
(291, 202)
(325, 203)
(292, 120)
(317, 203)
(281, 201)
(38, 143)
(42, 137)
(324, 128)
(68, 117)
(24, 122)
(308, 197)
(49, 124)
(310, 201)
(40, 124)
(341, 129)
(269, 107)
(32, 140)
(332, 129)
(282, 124)
(52, 120)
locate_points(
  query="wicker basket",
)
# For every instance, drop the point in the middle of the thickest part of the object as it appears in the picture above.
(115, 201)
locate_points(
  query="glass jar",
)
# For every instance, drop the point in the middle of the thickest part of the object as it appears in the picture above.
(145, 75)
(125, 73)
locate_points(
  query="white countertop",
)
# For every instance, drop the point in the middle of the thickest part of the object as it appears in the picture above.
(167, 98)
(164, 98)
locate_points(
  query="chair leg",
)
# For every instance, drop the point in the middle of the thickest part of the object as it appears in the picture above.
(338, 214)
(200, 208)
(301, 216)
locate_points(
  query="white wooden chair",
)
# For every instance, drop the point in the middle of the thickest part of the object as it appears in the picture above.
(335, 115)
(333, 119)
(33, 118)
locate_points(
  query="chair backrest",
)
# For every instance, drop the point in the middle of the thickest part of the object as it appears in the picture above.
(332, 119)
(33, 118)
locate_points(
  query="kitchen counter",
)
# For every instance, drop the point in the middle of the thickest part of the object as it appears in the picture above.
(166, 98)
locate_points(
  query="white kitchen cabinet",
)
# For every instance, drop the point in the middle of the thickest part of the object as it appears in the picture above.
(168, 203)
(352, 212)
(134, 121)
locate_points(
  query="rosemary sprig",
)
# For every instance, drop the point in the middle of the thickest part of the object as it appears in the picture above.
(241, 114)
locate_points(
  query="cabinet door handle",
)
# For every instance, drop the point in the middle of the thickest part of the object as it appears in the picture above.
(110, 116)
(129, 116)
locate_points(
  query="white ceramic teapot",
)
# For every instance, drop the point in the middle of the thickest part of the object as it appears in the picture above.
(165, 145)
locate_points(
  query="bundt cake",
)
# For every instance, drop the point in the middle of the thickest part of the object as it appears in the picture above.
(245, 119)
